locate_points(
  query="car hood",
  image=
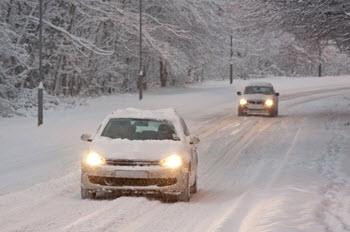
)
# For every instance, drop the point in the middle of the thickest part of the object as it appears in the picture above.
(138, 150)
(257, 96)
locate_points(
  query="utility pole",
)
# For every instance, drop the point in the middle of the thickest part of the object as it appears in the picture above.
(41, 87)
(140, 81)
(320, 61)
(231, 65)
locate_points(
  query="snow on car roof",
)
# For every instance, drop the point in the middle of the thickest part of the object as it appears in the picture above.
(160, 114)
(261, 83)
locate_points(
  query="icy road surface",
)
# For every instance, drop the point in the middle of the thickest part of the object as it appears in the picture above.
(256, 174)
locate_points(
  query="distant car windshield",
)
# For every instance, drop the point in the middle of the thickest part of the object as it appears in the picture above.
(139, 129)
(258, 90)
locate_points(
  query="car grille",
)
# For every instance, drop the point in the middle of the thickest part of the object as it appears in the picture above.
(122, 162)
(113, 181)
(256, 102)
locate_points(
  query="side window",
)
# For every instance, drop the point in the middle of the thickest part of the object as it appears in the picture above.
(186, 131)
(246, 90)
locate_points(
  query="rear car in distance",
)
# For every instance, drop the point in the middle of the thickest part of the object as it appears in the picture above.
(258, 98)
(143, 152)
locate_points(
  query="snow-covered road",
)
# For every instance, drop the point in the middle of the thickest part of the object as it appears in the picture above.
(289, 173)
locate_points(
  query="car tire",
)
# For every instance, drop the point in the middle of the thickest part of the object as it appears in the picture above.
(185, 195)
(194, 186)
(272, 113)
(240, 112)
(86, 194)
(169, 198)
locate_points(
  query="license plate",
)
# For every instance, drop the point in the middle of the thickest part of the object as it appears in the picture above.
(131, 174)
(254, 107)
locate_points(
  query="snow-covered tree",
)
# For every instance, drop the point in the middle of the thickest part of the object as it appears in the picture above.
(92, 47)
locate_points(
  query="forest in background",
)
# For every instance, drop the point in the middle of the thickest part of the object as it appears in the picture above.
(91, 48)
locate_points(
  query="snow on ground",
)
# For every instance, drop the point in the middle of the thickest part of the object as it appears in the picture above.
(288, 173)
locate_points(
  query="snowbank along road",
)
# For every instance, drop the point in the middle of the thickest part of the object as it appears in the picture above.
(289, 173)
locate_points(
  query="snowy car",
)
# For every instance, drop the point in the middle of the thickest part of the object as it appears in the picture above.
(142, 152)
(258, 98)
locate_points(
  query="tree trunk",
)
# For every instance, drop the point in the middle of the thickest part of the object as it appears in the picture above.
(71, 86)
(9, 12)
(320, 70)
(56, 83)
(64, 77)
(320, 62)
(163, 74)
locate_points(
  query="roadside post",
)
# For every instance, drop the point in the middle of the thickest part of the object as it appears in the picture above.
(40, 103)
(41, 86)
(231, 64)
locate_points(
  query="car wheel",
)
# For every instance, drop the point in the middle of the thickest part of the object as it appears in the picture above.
(240, 111)
(185, 195)
(194, 186)
(86, 194)
(169, 198)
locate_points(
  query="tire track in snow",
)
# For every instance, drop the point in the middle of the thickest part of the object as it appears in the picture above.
(227, 161)
(303, 94)
(236, 147)
(246, 202)
(332, 208)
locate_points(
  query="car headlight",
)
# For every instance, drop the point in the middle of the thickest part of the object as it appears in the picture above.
(242, 101)
(173, 161)
(94, 159)
(269, 102)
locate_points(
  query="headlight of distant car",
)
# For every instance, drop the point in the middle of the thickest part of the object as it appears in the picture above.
(242, 101)
(269, 102)
(173, 161)
(94, 159)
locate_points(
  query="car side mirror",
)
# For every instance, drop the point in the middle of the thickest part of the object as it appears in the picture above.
(277, 94)
(86, 137)
(239, 93)
(194, 140)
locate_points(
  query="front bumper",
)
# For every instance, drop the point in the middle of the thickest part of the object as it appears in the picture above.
(256, 109)
(133, 180)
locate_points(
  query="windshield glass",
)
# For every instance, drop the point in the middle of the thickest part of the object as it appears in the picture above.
(139, 129)
(258, 90)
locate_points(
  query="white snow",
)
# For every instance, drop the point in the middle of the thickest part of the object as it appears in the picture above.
(138, 149)
(289, 173)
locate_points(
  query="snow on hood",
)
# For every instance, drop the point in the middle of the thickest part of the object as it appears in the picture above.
(257, 96)
(138, 149)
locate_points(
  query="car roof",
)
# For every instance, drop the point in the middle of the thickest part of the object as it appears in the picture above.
(260, 83)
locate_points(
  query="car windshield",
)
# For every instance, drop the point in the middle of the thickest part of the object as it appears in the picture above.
(258, 90)
(139, 129)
